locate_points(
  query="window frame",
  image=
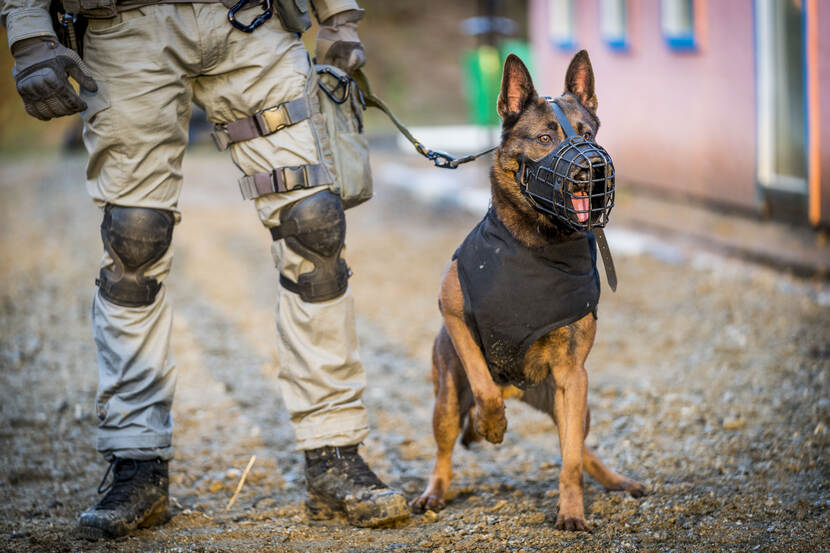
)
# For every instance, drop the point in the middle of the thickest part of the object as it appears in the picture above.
(566, 43)
(623, 42)
(682, 42)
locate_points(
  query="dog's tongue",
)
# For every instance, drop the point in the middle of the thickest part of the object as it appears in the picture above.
(582, 205)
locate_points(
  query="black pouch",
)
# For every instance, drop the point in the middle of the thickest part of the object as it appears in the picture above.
(293, 15)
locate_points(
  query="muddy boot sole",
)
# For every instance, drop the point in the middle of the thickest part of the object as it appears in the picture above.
(318, 508)
(380, 511)
(369, 513)
(157, 515)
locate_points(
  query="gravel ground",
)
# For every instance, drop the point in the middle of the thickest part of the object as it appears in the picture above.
(709, 382)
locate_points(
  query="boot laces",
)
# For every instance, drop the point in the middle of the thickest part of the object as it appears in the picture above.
(123, 483)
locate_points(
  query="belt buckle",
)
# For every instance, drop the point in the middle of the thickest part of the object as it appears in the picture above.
(275, 119)
(295, 177)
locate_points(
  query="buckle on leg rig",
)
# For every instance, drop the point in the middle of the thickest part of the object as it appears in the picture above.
(262, 123)
(283, 179)
(258, 20)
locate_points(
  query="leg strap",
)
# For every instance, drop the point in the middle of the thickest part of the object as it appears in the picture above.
(283, 179)
(262, 123)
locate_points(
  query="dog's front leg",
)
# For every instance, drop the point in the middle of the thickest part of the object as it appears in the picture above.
(488, 417)
(570, 404)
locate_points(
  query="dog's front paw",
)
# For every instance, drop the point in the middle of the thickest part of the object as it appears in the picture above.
(572, 523)
(489, 421)
(430, 499)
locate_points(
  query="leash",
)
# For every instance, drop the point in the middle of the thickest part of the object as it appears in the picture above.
(607, 260)
(439, 158)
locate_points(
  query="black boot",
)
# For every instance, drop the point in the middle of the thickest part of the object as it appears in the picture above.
(338, 479)
(136, 497)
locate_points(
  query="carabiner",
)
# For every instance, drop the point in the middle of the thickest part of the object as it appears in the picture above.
(340, 93)
(258, 20)
(442, 159)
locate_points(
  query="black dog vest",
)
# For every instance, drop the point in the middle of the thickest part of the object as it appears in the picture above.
(514, 295)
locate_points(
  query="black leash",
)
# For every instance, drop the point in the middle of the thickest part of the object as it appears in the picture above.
(439, 158)
(607, 260)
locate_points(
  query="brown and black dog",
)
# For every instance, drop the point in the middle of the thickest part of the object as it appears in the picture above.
(553, 367)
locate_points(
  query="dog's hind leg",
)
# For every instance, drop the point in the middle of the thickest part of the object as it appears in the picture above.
(542, 398)
(609, 479)
(452, 398)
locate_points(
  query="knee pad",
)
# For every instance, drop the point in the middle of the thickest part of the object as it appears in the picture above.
(135, 238)
(315, 228)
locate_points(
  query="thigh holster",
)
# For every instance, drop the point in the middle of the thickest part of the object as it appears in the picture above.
(135, 238)
(315, 228)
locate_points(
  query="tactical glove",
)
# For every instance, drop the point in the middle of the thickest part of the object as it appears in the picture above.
(338, 43)
(41, 69)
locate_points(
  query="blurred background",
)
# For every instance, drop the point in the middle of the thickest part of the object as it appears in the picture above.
(710, 376)
(719, 102)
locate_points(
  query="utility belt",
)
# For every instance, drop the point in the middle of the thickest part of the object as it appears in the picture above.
(293, 14)
(333, 104)
(69, 17)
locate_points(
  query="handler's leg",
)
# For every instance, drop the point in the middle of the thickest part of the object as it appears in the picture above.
(136, 132)
(321, 376)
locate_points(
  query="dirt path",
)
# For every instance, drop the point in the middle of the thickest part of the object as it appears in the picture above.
(710, 382)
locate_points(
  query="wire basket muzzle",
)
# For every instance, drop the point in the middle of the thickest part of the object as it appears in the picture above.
(574, 184)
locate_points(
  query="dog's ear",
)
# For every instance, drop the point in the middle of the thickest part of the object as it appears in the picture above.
(516, 88)
(579, 80)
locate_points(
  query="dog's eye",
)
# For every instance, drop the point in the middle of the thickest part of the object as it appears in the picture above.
(587, 135)
(544, 139)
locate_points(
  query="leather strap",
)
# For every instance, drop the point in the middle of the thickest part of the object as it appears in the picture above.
(262, 123)
(607, 260)
(439, 158)
(283, 179)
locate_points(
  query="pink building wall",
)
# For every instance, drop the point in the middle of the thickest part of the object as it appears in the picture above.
(682, 121)
(823, 120)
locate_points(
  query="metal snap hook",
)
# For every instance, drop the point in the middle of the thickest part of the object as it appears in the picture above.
(258, 20)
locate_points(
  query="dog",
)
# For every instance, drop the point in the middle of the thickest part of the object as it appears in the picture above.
(471, 381)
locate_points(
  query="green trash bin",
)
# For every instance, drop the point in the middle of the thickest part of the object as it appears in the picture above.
(482, 68)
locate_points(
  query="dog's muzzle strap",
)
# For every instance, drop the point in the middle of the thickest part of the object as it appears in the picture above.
(607, 260)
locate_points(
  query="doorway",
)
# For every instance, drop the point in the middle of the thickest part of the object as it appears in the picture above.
(782, 112)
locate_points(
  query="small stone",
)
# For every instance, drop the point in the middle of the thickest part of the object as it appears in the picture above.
(233, 474)
(498, 506)
(215, 486)
(430, 516)
(735, 423)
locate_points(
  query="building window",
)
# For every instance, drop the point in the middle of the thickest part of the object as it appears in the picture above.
(561, 23)
(613, 23)
(678, 23)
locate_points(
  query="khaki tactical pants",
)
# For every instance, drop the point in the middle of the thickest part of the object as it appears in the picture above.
(150, 64)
